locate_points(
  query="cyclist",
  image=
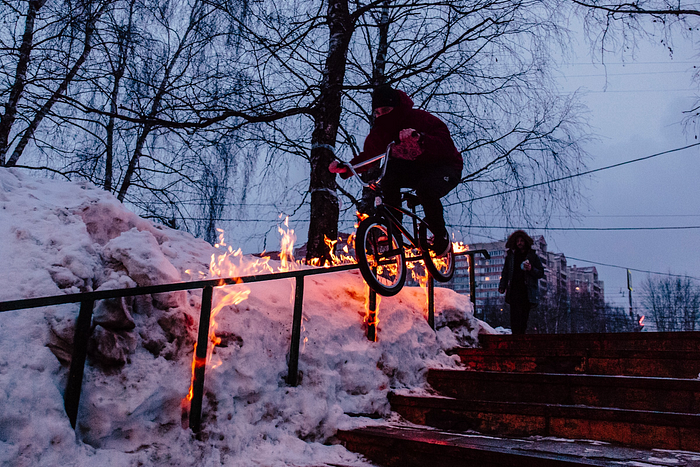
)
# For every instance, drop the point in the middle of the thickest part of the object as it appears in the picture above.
(424, 157)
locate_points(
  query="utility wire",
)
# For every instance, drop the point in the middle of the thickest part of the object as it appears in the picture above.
(485, 196)
(685, 276)
(506, 227)
(547, 182)
(509, 227)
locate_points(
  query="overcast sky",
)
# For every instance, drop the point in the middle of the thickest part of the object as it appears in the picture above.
(637, 110)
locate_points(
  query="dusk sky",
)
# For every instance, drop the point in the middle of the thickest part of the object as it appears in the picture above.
(637, 110)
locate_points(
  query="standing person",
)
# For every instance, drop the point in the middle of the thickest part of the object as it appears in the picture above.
(519, 280)
(424, 157)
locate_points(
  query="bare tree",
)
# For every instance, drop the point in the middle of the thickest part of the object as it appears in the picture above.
(552, 314)
(618, 26)
(159, 109)
(673, 303)
(56, 67)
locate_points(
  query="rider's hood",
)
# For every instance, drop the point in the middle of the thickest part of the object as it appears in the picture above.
(405, 102)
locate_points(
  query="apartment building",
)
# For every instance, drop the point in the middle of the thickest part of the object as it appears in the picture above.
(559, 278)
(487, 272)
(585, 280)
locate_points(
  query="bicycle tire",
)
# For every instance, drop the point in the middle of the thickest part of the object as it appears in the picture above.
(442, 268)
(383, 265)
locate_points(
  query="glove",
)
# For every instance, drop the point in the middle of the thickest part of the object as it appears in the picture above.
(338, 168)
(408, 149)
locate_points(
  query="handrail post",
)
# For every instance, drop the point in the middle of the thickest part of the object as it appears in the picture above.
(293, 373)
(200, 360)
(472, 281)
(472, 272)
(372, 316)
(71, 399)
(431, 301)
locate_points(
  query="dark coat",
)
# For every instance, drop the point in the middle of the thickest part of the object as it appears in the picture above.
(436, 145)
(531, 277)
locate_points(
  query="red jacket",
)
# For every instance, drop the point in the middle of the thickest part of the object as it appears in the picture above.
(435, 141)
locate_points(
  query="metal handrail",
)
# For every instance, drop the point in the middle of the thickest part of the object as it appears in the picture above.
(173, 287)
(87, 302)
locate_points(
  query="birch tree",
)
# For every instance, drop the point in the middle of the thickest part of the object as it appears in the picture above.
(482, 66)
(44, 66)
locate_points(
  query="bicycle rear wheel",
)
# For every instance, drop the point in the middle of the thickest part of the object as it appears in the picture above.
(381, 258)
(441, 267)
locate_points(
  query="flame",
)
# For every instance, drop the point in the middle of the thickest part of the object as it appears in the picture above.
(372, 316)
(230, 263)
(641, 321)
(459, 247)
(344, 256)
(196, 362)
(287, 246)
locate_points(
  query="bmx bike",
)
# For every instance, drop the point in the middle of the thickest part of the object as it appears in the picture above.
(380, 248)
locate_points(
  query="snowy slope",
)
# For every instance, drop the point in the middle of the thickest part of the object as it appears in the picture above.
(58, 237)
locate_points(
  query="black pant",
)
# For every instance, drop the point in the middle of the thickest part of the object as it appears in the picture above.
(519, 314)
(431, 183)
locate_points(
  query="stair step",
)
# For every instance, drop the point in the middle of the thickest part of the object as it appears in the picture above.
(662, 364)
(402, 446)
(650, 341)
(624, 392)
(644, 429)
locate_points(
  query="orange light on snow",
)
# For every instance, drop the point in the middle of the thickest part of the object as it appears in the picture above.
(372, 316)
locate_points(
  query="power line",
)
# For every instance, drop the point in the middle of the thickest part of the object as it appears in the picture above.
(639, 91)
(636, 63)
(510, 227)
(547, 182)
(634, 269)
(636, 73)
(642, 215)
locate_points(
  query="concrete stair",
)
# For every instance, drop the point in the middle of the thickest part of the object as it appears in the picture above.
(537, 390)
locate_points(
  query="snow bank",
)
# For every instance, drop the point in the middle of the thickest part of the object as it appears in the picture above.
(60, 237)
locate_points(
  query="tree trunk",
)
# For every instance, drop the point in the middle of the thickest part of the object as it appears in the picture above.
(8, 118)
(109, 146)
(46, 108)
(324, 200)
(378, 76)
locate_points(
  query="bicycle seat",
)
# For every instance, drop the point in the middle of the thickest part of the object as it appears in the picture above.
(411, 199)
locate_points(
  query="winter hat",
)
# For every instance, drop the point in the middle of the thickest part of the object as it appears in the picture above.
(385, 96)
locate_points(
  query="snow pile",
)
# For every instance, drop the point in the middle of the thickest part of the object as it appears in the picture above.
(59, 237)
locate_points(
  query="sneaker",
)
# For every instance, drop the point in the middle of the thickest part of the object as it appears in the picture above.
(441, 245)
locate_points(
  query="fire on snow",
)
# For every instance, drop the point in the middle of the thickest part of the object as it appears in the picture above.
(230, 263)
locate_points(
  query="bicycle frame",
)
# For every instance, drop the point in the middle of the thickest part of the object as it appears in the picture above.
(394, 222)
(379, 199)
(373, 254)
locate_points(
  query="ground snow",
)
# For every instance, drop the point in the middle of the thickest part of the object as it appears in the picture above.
(60, 237)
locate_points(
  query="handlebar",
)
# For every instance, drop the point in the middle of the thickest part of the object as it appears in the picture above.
(383, 158)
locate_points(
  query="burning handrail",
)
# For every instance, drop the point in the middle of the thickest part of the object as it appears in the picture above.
(87, 301)
(173, 287)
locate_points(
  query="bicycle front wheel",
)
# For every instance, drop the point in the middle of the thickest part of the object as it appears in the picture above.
(441, 267)
(381, 258)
